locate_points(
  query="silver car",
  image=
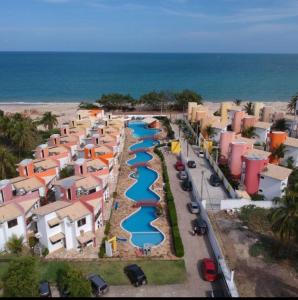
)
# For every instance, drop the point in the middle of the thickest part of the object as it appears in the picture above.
(182, 175)
(193, 207)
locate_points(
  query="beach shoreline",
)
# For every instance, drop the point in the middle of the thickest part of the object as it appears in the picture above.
(67, 110)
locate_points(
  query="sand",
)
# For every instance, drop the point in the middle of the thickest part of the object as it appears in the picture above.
(66, 111)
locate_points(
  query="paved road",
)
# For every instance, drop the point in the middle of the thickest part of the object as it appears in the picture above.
(212, 195)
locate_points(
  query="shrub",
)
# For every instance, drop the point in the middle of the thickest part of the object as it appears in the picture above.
(21, 279)
(15, 244)
(257, 197)
(178, 245)
(256, 249)
(107, 228)
(32, 241)
(45, 252)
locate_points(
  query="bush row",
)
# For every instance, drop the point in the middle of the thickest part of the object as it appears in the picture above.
(178, 245)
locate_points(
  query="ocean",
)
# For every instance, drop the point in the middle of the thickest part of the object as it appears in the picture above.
(72, 77)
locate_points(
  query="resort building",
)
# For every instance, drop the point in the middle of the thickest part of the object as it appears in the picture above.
(63, 224)
(273, 181)
(235, 118)
(262, 129)
(218, 128)
(291, 150)
(266, 114)
(12, 222)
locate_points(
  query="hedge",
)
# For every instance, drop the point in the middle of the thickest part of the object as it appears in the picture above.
(178, 245)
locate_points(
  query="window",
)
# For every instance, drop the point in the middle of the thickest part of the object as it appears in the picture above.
(12, 223)
(261, 191)
(81, 222)
(92, 191)
(68, 194)
(262, 177)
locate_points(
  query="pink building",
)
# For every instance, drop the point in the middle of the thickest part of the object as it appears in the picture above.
(237, 121)
(236, 151)
(225, 139)
(249, 121)
(254, 165)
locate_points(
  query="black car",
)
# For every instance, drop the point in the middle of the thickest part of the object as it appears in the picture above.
(215, 180)
(135, 274)
(191, 164)
(45, 290)
(98, 285)
(187, 185)
(200, 226)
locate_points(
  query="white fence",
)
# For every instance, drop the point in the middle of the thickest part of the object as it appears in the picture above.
(227, 274)
(238, 203)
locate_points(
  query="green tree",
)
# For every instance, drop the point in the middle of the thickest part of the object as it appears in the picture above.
(49, 120)
(237, 102)
(209, 132)
(7, 163)
(87, 105)
(280, 125)
(24, 136)
(15, 244)
(285, 218)
(249, 108)
(116, 101)
(292, 103)
(279, 152)
(74, 281)
(290, 162)
(21, 279)
(66, 172)
(153, 100)
(249, 132)
(293, 181)
(186, 96)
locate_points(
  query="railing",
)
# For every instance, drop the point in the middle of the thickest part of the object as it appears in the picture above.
(139, 150)
(140, 164)
(146, 203)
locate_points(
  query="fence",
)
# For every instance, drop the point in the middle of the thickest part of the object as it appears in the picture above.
(227, 274)
(238, 203)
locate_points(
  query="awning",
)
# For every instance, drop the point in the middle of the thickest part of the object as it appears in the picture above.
(86, 237)
(54, 222)
(57, 237)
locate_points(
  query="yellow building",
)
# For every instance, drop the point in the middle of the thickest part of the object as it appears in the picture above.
(224, 106)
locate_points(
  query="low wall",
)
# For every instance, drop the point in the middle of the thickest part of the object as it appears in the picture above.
(238, 203)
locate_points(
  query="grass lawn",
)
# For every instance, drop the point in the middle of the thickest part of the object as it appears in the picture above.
(158, 272)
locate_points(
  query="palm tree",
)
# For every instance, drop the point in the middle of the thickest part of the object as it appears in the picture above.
(285, 218)
(23, 135)
(209, 132)
(15, 244)
(292, 103)
(290, 162)
(49, 120)
(249, 132)
(280, 125)
(237, 102)
(278, 152)
(249, 108)
(7, 163)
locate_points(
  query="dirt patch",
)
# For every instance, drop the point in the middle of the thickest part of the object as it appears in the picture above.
(254, 277)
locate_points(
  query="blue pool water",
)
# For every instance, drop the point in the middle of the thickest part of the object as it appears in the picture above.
(139, 223)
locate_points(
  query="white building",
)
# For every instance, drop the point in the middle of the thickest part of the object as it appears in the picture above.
(218, 129)
(261, 131)
(273, 181)
(12, 222)
(291, 147)
(63, 224)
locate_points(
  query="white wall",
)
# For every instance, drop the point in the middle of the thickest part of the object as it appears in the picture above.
(271, 187)
(261, 135)
(291, 151)
(6, 233)
(238, 203)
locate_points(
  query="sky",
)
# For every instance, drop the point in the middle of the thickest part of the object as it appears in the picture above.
(234, 26)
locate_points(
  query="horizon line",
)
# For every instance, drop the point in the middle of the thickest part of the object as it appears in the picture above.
(140, 52)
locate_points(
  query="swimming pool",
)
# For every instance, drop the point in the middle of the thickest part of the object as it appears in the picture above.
(139, 224)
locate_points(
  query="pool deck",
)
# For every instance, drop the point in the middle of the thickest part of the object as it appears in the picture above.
(126, 249)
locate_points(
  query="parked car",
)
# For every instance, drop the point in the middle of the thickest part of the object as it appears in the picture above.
(98, 285)
(191, 164)
(135, 274)
(45, 290)
(217, 294)
(182, 175)
(201, 153)
(179, 165)
(187, 185)
(209, 270)
(215, 180)
(193, 207)
(200, 226)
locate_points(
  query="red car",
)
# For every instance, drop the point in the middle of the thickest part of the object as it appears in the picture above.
(179, 166)
(209, 270)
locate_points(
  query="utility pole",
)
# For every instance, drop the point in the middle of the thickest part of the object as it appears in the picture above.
(202, 181)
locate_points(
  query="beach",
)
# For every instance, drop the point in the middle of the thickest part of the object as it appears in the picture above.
(66, 111)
